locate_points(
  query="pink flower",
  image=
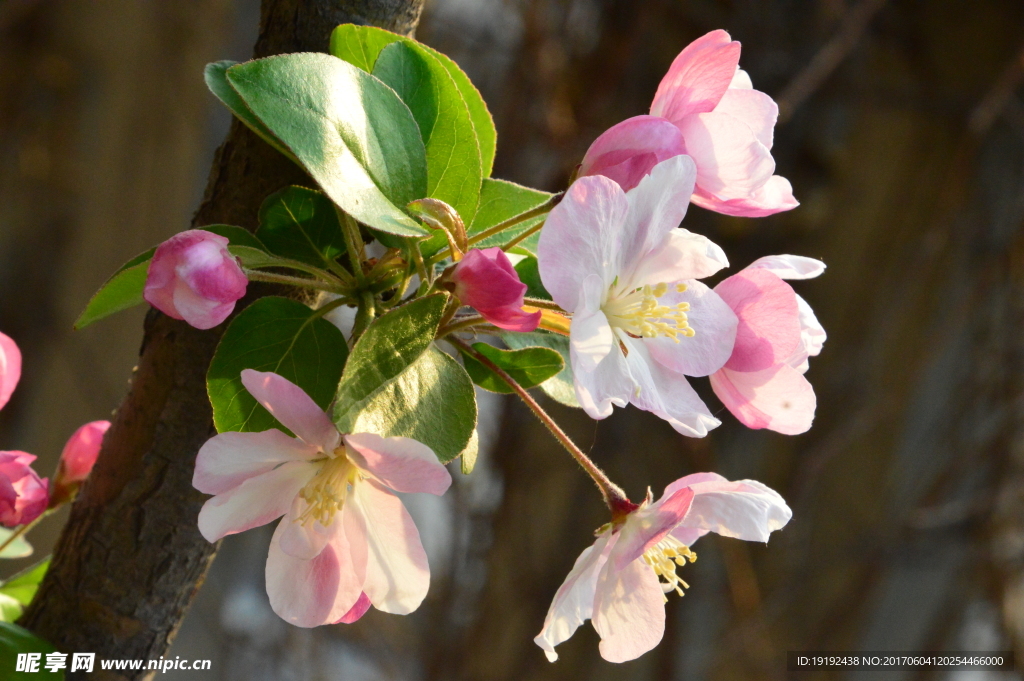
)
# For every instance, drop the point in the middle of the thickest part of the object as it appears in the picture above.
(346, 541)
(76, 461)
(23, 495)
(194, 277)
(705, 107)
(10, 368)
(620, 583)
(641, 321)
(485, 279)
(762, 384)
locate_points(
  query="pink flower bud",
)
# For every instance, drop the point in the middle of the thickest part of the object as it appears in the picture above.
(10, 368)
(23, 495)
(80, 452)
(194, 277)
(485, 279)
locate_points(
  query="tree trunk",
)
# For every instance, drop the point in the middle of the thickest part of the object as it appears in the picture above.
(131, 557)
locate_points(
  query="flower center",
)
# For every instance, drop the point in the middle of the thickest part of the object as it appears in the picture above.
(664, 557)
(640, 314)
(325, 494)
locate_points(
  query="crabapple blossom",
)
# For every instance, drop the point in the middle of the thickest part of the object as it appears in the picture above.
(194, 277)
(23, 494)
(763, 384)
(346, 541)
(641, 321)
(77, 459)
(485, 279)
(705, 107)
(621, 582)
(10, 368)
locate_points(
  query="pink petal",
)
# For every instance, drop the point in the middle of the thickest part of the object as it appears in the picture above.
(356, 611)
(812, 337)
(656, 207)
(778, 398)
(666, 393)
(292, 407)
(308, 593)
(769, 319)
(714, 324)
(228, 459)
(302, 540)
(789, 266)
(691, 479)
(10, 368)
(573, 603)
(486, 279)
(745, 509)
(201, 313)
(731, 162)
(30, 492)
(629, 611)
(582, 236)
(400, 463)
(756, 109)
(80, 452)
(698, 77)
(255, 502)
(396, 573)
(775, 196)
(512, 319)
(647, 526)
(626, 152)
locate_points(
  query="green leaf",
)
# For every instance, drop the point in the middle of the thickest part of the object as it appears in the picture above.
(501, 200)
(361, 45)
(18, 591)
(453, 154)
(216, 78)
(528, 270)
(19, 548)
(431, 401)
(279, 335)
(470, 453)
(120, 292)
(559, 387)
(301, 224)
(528, 366)
(14, 640)
(350, 131)
(388, 346)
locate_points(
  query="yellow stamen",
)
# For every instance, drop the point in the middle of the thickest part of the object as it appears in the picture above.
(325, 494)
(640, 314)
(664, 557)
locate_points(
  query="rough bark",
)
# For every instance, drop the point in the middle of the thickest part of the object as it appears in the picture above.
(131, 558)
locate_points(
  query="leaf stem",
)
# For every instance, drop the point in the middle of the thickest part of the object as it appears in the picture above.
(523, 237)
(367, 311)
(460, 324)
(543, 304)
(613, 495)
(354, 245)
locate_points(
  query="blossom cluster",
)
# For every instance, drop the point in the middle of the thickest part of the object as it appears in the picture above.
(620, 288)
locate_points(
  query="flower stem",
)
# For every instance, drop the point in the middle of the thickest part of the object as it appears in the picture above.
(367, 311)
(523, 237)
(353, 244)
(460, 325)
(543, 304)
(23, 529)
(613, 495)
(303, 282)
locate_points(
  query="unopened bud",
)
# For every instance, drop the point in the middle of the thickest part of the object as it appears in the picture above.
(437, 214)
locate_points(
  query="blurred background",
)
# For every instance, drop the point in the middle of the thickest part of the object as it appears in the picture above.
(902, 131)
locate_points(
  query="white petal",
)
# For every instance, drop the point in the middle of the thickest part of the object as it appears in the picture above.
(667, 394)
(656, 207)
(401, 463)
(229, 458)
(629, 611)
(574, 601)
(609, 383)
(396, 574)
(255, 502)
(582, 236)
(714, 325)
(684, 255)
(745, 509)
(741, 80)
(299, 540)
(590, 335)
(790, 266)
(292, 407)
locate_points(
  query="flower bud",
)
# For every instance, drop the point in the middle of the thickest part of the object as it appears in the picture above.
(194, 277)
(485, 279)
(10, 368)
(23, 495)
(80, 452)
